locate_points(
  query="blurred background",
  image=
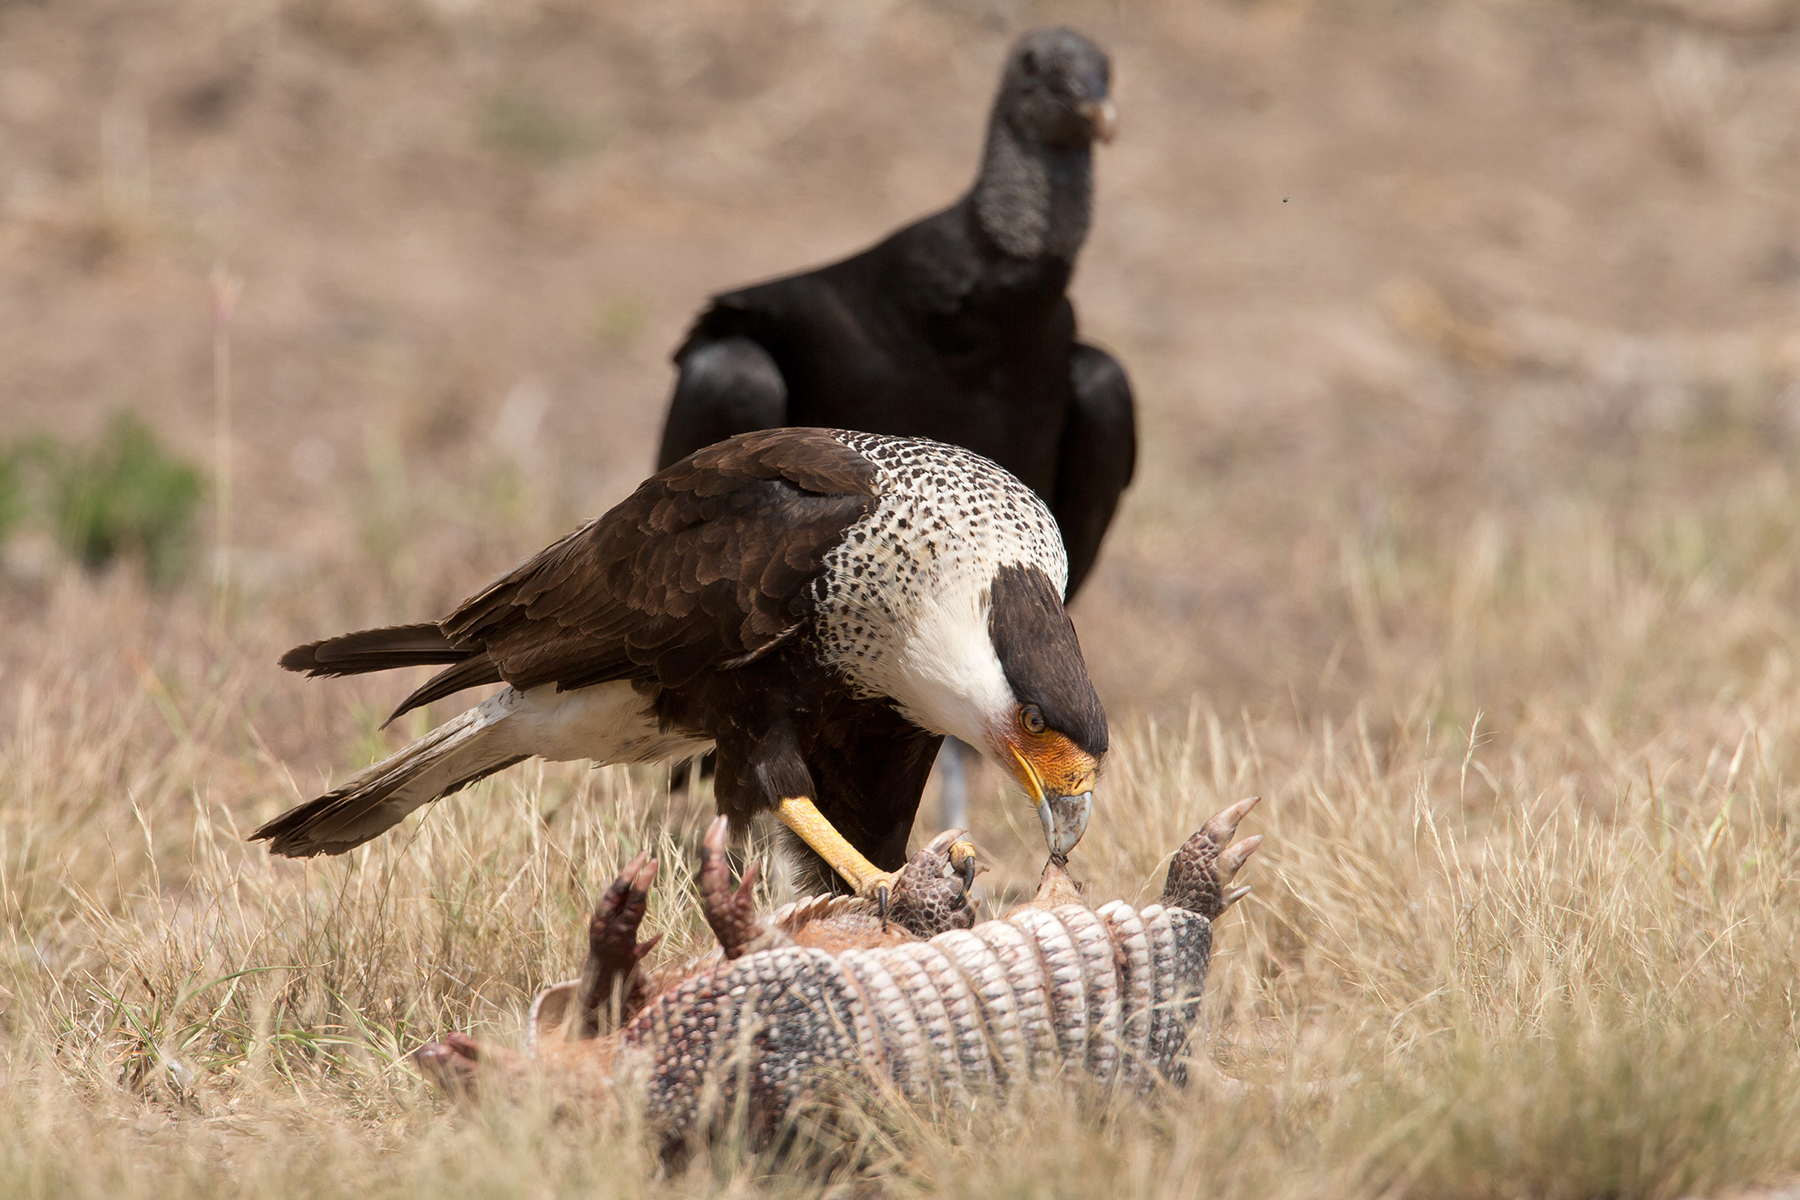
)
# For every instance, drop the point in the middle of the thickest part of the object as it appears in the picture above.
(1466, 342)
(1465, 333)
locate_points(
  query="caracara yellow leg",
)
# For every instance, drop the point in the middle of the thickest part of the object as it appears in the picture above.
(804, 818)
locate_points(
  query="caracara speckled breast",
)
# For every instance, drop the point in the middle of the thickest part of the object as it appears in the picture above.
(820, 606)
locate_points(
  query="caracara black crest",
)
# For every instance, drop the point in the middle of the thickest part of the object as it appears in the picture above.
(820, 606)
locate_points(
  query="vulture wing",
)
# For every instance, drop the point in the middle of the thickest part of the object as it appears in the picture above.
(1096, 458)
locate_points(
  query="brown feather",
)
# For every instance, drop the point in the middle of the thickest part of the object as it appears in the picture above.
(471, 672)
(693, 583)
(706, 563)
(375, 650)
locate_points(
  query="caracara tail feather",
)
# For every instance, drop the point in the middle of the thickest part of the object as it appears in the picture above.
(449, 758)
(376, 650)
(471, 672)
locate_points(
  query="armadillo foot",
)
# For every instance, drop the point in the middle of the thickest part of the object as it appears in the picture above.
(613, 948)
(931, 893)
(731, 912)
(1205, 864)
(457, 1064)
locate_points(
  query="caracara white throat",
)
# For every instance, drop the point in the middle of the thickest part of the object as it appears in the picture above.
(821, 607)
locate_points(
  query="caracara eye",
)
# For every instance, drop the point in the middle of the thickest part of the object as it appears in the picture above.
(1032, 718)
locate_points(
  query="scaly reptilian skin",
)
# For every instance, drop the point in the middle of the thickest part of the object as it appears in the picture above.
(821, 993)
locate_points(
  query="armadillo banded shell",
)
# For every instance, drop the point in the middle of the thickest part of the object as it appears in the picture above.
(1113, 992)
(1100, 980)
(967, 1060)
(775, 1020)
(1131, 959)
(1055, 947)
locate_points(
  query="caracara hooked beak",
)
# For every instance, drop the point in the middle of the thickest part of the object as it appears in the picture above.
(1055, 773)
(1050, 733)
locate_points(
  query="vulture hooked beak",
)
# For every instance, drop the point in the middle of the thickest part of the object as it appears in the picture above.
(1102, 117)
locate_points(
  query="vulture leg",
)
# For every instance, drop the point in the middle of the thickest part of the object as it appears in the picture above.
(953, 775)
(726, 387)
(1099, 452)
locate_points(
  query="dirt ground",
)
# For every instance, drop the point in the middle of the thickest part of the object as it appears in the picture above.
(1386, 267)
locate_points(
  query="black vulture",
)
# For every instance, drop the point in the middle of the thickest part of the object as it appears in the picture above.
(957, 327)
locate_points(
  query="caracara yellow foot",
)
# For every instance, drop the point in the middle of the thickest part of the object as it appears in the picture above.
(930, 890)
(803, 817)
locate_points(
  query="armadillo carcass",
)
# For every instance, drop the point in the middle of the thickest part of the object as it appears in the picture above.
(824, 991)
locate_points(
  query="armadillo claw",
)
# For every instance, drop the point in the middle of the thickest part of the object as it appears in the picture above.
(730, 912)
(1224, 824)
(931, 893)
(1205, 864)
(1051, 987)
(613, 948)
(454, 1064)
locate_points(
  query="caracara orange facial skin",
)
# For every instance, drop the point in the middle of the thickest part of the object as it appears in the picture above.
(1056, 774)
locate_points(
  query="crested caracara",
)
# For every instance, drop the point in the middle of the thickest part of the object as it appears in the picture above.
(821, 607)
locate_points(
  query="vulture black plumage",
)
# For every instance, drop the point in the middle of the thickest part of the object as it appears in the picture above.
(957, 327)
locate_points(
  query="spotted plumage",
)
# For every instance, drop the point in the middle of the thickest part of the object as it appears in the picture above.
(820, 606)
(943, 522)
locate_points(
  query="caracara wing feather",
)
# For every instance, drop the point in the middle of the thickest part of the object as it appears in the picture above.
(474, 671)
(705, 564)
(374, 650)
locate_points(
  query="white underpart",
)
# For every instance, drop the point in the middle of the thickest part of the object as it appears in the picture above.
(945, 674)
(914, 626)
(608, 722)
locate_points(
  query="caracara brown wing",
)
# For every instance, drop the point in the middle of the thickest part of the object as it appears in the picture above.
(706, 563)
(374, 650)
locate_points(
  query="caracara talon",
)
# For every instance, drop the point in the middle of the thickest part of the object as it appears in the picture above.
(965, 861)
(879, 888)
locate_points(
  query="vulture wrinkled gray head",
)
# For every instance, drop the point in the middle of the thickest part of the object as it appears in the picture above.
(1055, 89)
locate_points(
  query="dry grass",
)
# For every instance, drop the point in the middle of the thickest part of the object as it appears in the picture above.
(1467, 533)
(1564, 967)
